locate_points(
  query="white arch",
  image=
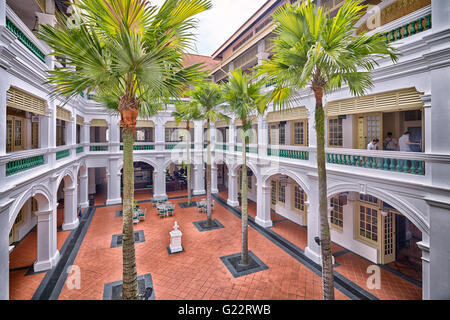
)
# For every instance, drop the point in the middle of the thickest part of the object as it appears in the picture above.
(235, 167)
(291, 174)
(39, 192)
(66, 173)
(139, 159)
(406, 209)
(81, 165)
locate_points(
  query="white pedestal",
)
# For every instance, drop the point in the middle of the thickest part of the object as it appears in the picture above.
(175, 239)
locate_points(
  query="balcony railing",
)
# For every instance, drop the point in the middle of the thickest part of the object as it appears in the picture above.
(409, 29)
(24, 40)
(220, 146)
(20, 165)
(98, 148)
(62, 154)
(249, 149)
(288, 152)
(403, 162)
(142, 147)
(80, 150)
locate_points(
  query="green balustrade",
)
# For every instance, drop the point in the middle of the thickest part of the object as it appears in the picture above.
(376, 163)
(289, 154)
(409, 29)
(80, 149)
(17, 166)
(98, 148)
(24, 40)
(62, 154)
(139, 147)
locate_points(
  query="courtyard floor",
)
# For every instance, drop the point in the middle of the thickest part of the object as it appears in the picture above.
(198, 272)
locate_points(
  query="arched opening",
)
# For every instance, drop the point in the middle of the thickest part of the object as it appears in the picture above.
(66, 197)
(222, 179)
(251, 189)
(176, 179)
(288, 208)
(97, 186)
(29, 245)
(143, 180)
(366, 231)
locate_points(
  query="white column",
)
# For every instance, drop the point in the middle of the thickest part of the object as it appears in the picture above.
(312, 251)
(47, 252)
(72, 134)
(262, 137)
(159, 182)
(441, 15)
(4, 250)
(263, 196)
(114, 134)
(233, 189)
(214, 188)
(424, 245)
(439, 255)
(86, 135)
(199, 163)
(4, 85)
(83, 202)
(52, 132)
(231, 136)
(70, 208)
(2, 12)
(160, 134)
(114, 178)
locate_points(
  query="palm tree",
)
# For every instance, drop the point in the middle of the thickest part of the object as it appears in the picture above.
(130, 54)
(244, 97)
(187, 113)
(313, 48)
(208, 97)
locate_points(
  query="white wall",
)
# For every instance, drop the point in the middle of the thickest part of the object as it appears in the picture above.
(346, 238)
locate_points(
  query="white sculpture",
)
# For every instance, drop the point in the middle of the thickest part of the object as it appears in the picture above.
(175, 239)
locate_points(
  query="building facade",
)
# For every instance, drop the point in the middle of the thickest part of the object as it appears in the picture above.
(385, 205)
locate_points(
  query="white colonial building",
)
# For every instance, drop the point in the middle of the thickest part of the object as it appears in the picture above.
(384, 205)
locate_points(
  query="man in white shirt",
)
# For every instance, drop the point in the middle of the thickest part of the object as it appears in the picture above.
(373, 145)
(405, 144)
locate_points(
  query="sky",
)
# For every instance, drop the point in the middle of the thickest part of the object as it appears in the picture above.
(220, 22)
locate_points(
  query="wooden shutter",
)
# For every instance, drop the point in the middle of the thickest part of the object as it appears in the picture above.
(400, 100)
(287, 115)
(63, 114)
(26, 102)
(99, 123)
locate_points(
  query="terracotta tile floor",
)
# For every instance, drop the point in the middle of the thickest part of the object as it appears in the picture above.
(197, 273)
(352, 266)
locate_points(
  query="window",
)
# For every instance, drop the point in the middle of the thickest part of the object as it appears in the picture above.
(172, 135)
(368, 223)
(281, 191)
(78, 134)
(273, 192)
(60, 132)
(277, 134)
(335, 132)
(337, 213)
(368, 198)
(282, 133)
(299, 199)
(300, 133)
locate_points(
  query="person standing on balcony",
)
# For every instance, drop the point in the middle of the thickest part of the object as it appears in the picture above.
(390, 144)
(373, 145)
(405, 144)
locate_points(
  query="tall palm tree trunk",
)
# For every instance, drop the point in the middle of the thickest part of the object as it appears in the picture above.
(244, 204)
(208, 177)
(188, 168)
(130, 284)
(325, 238)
